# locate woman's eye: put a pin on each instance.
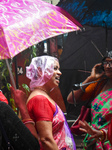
(55, 68)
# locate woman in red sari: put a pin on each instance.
(42, 115)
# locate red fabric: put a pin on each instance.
(109, 133)
(41, 109)
(3, 98)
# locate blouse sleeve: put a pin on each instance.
(88, 92)
(93, 90)
(41, 109)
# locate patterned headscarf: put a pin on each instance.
(40, 70)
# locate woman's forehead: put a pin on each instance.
(56, 62)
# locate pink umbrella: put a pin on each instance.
(24, 23)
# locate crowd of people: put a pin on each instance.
(44, 118)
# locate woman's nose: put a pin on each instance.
(59, 72)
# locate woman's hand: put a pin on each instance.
(97, 71)
(20, 97)
(20, 100)
(85, 127)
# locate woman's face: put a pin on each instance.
(56, 75)
(108, 67)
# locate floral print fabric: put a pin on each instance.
(101, 113)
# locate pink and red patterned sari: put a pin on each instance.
(61, 131)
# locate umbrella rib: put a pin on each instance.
(84, 71)
(97, 48)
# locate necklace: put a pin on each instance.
(43, 90)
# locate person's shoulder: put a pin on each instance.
(37, 97)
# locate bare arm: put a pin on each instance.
(93, 76)
(78, 93)
(20, 100)
(44, 129)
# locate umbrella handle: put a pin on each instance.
(10, 73)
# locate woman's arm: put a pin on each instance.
(93, 76)
(44, 129)
(20, 100)
(100, 135)
(78, 93)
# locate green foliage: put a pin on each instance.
(4, 76)
(27, 90)
(3, 70)
(8, 86)
(33, 51)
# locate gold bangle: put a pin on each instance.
(103, 136)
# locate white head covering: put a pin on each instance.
(40, 70)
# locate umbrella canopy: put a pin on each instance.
(90, 12)
(24, 23)
(83, 50)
